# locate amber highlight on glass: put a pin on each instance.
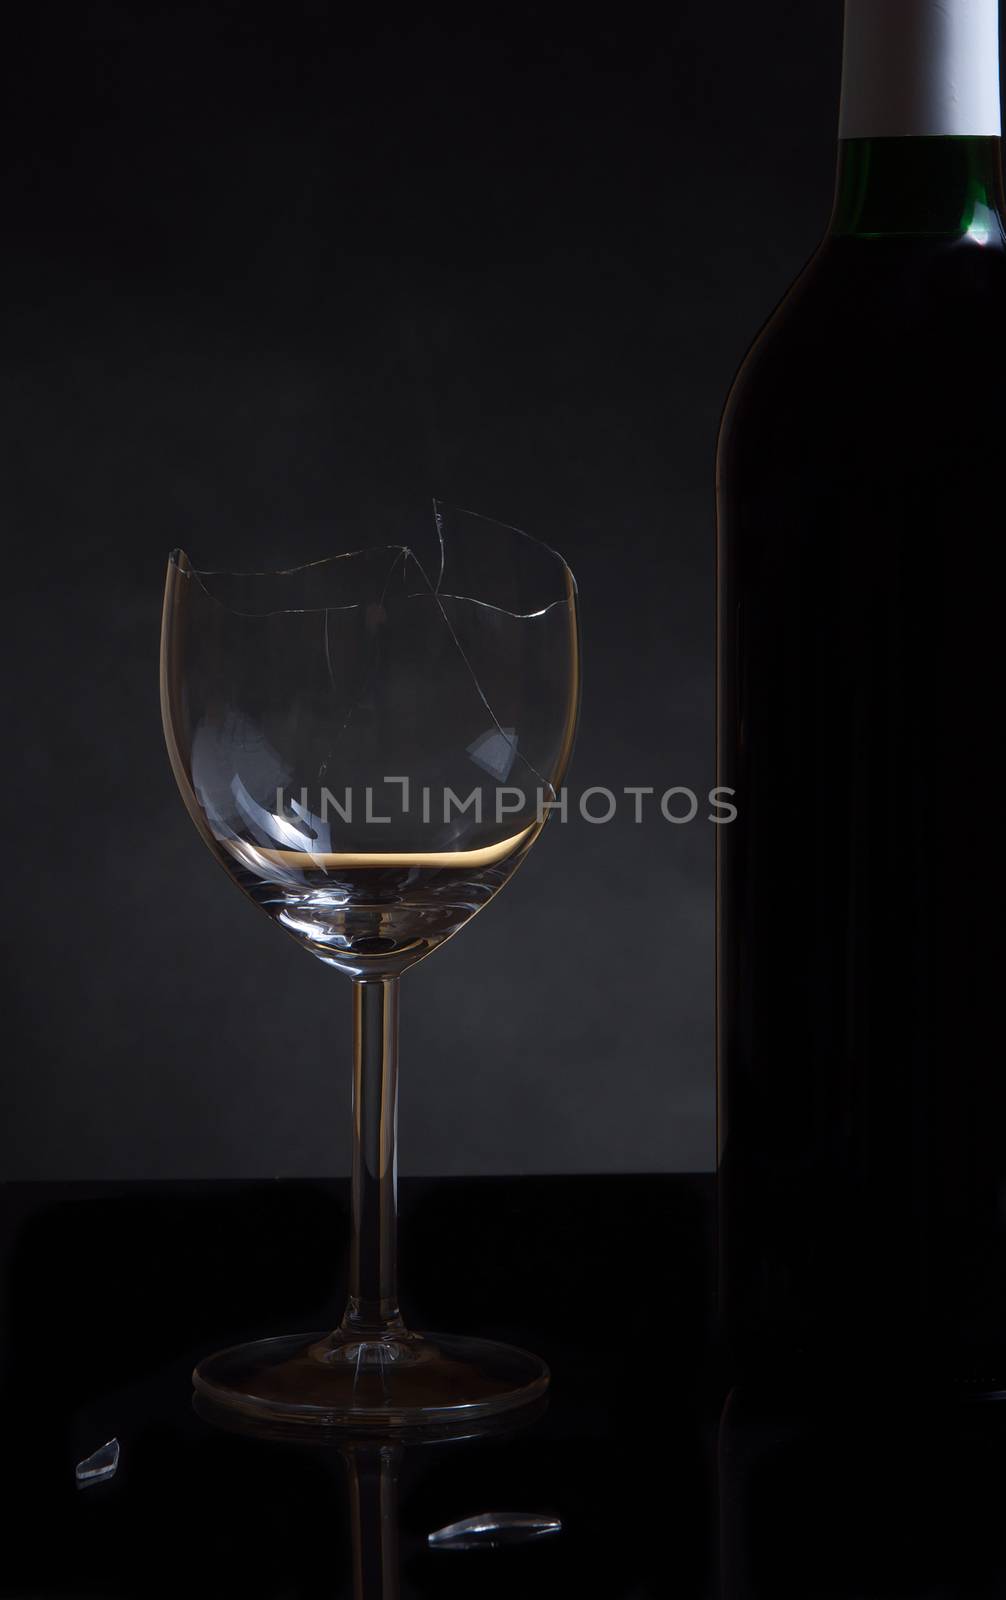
(398, 675)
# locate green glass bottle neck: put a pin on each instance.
(943, 185)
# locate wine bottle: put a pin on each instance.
(861, 1072)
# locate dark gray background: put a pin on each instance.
(266, 270)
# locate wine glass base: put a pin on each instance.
(339, 1380)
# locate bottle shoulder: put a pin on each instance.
(878, 322)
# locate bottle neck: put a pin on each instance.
(939, 185)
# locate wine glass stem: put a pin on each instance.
(372, 1308)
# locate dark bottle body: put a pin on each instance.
(862, 1085)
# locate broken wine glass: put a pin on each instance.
(370, 745)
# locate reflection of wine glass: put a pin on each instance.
(369, 745)
(372, 1461)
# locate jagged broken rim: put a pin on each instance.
(402, 555)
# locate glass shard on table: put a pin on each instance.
(99, 1467)
(490, 1530)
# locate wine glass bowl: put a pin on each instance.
(369, 745)
(369, 748)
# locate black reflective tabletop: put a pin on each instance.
(662, 1482)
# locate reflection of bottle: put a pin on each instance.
(898, 1499)
(862, 1093)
